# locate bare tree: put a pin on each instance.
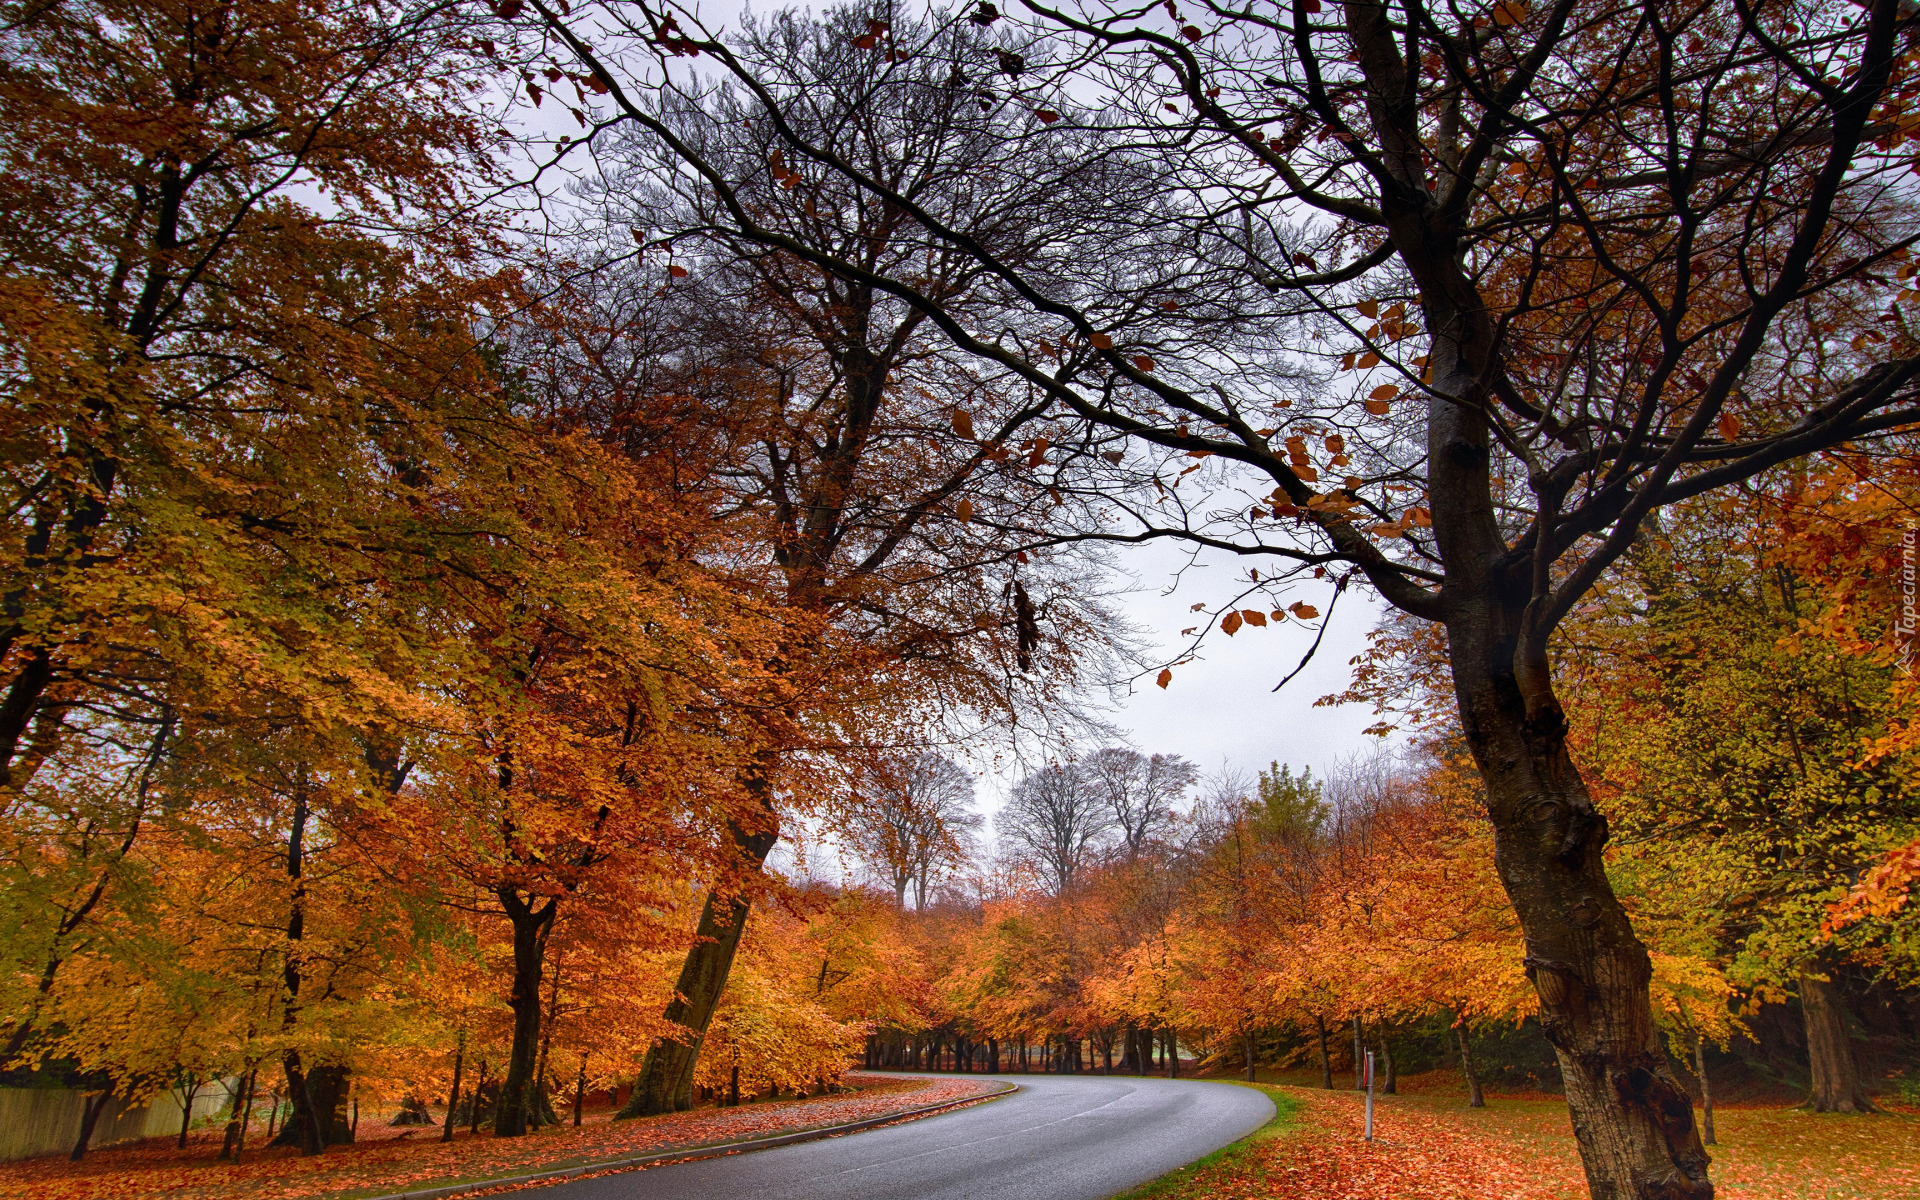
(1139, 791)
(916, 824)
(1057, 818)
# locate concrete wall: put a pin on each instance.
(37, 1121)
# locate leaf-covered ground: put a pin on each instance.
(389, 1160)
(1429, 1146)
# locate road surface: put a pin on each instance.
(1058, 1138)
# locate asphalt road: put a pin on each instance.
(1057, 1138)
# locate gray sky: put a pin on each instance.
(1221, 706)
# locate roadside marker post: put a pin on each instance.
(1369, 1095)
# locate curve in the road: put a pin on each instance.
(1057, 1138)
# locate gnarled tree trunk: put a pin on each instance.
(1632, 1116)
(531, 925)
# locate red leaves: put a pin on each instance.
(388, 1160)
(1414, 1155)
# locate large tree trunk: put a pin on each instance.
(1836, 1077)
(666, 1077)
(319, 1106)
(305, 1128)
(1632, 1116)
(531, 925)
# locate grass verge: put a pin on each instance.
(1193, 1179)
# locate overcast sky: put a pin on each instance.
(1220, 708)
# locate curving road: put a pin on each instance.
(1057, 1138)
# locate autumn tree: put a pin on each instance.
(863, 453)
(1561, 263)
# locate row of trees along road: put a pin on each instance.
(1529, 274)
(419, 633)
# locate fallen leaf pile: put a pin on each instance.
(1430, 1147)
(1413, 1154)
(390, 1160)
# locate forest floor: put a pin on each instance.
(385, 1159)
(1428, 1144)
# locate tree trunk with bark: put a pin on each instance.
(1326, 1060)
(1475, 1098)
(188, 1092)
(1836, 1076)
(453, 1092)
(532, 923)
(90, 1110)
(666, 1077)
(1386, 1065)
(1631, 1114)
(1706, 1090)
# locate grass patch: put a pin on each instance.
(1194, 1179)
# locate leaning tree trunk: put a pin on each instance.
(453, 1092)
(666, 1077)
(1836, 1077)
(90, 1109)
(1475, 1097)
(1631, 1114)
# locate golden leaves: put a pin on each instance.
(1509, 12)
